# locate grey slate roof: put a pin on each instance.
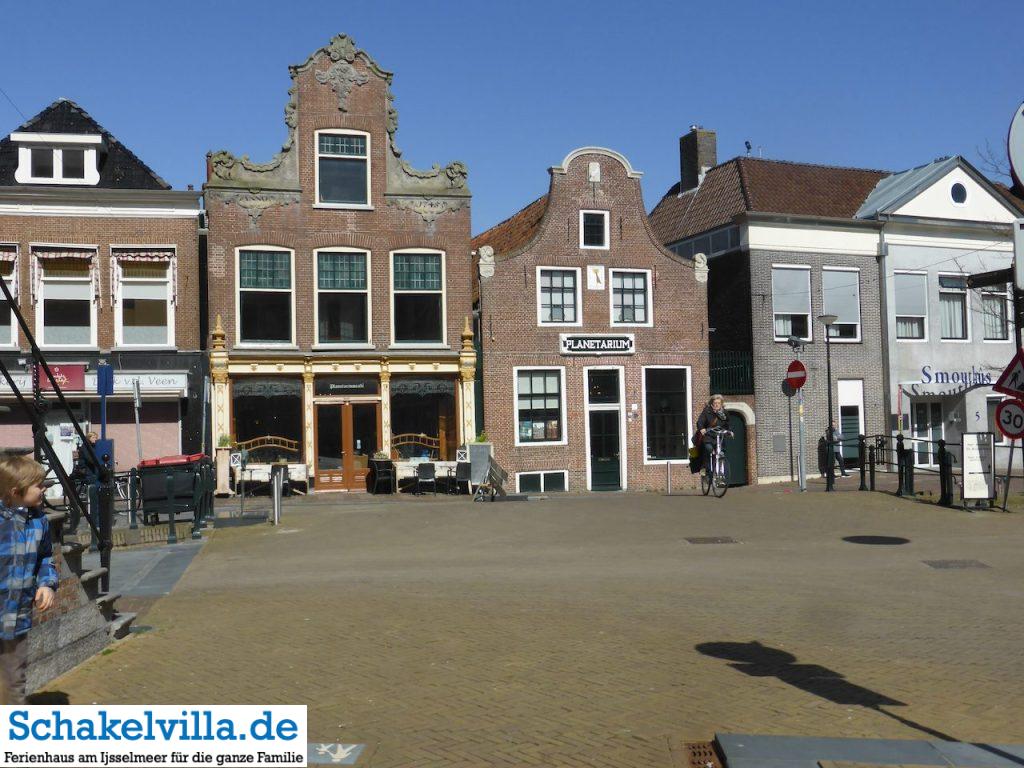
(119, 167)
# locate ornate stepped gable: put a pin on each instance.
(258, 186)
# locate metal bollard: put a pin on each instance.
(908, 469)
(830, 465)
(871, 466)
(105, 496)
(862, 443)
(900, 460)
(172, 526)
(277, 485)
(668, 478)
(941, 455)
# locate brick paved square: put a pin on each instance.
(588, 631)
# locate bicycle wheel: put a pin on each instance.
(721, 484)
(705, 482)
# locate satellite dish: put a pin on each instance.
(1015, 146)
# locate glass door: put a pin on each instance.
(927, 427)
(361, 431)
(329, 454)
(604, 416)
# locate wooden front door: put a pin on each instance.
(347, 435)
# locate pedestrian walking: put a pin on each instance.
(837, 438)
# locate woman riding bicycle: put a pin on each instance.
(711, 417)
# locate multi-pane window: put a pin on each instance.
(342, 298)
(542, 482)
(342, 168)
(667, 419)
(791, 302)
(8, 267)
(67, 297)
(630, 304)
(953, 307)
(593, 229)
(840, 294)
(144, 296)
(418, 298)
(995, 315)
(265, 296)
(911, 304)
(539, 405)
(557, 295)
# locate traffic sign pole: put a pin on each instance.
(801, 466)
(1009, 473)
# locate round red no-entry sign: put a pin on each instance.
(1010, 418)
(796, 374)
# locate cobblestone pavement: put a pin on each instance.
(588, 631)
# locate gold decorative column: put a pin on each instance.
(220, 410)
(307, 417)
(385, 407)
(467, 378)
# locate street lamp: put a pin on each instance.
(830, 471)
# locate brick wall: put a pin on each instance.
(512, 338)
(302, 227)
(861, 360)
(103, 232)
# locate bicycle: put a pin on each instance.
(716, 477)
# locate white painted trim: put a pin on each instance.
(40, 306)
(1008, 309)
(820, 239)
(859, 403)
(317, 203)
(860, 317)
(967, 306)
(912, 439)
(564, 167)
(542, 472)
(607, 230)
(238, 293)
(611, 299)
(93, 212)
(368, 344)
(56, 138)
(743, 409)
(643, 411)
(620, 407)
(119, 308)
(443, 343)
(810, 305)
(91, 171)
(981, 245)
(897, 316)
(563, 415)
(579, 296)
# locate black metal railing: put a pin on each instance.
(100, 519)
(732, 373)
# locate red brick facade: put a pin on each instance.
(513, 337)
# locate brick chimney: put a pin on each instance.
(698, 151)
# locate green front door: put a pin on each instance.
(604, 451)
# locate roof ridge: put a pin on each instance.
(747, 158)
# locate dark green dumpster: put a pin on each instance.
(173, 486)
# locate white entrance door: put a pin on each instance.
(62, 436)
(851, 418)
(926, 417)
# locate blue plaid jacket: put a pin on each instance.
(26, 563)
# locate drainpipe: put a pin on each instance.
(888, 351)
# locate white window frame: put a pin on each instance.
(563, 415)
(859, 336)
(579, 296)
(56, 143)
(810, 304)
(1005, 295)
(643, 413)
(368, 205)
(542, 472)
(15, 287)
(238, 298)
(443, 344)
(607, 231)
(40, 300)
(368, 344)
(119, 301)
(967, 306)
(897, 316)
(649, 298)
(620, 407)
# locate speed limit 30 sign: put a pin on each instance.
(1010, 418)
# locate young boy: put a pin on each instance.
(27, 574)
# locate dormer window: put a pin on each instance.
(55, 158)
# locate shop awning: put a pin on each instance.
(144, 255)
(63, 253)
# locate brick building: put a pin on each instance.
(340, 287)
(593, 336)
(103, 259)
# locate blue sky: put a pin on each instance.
(511, 88)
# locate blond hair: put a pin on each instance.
(18, 474)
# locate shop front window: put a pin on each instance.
(268, 418)
(423, 423)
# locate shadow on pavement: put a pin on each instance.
(48, 698)
(758, 660)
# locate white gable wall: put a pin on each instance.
(935, 202)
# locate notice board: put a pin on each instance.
(979, 465)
